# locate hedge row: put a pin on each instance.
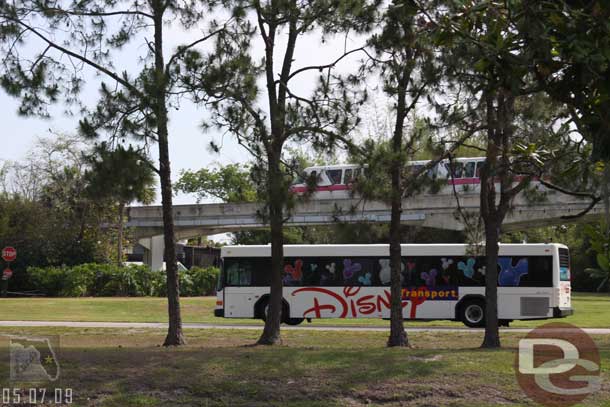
(104, 280)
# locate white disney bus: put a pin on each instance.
(440, 281)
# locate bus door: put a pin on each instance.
(239, 297)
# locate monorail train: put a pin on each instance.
(336, 181)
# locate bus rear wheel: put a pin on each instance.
(472, 313)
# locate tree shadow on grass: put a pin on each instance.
(245, 374)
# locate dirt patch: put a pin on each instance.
(433, 392)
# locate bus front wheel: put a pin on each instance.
(472, 313)
(284, 316)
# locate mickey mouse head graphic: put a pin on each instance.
(468, 267)
(349, 268)
(430, 277)
(293, 274)
(510, 276)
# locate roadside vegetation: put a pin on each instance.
(107, 280)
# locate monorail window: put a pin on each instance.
(455, 168)
(413, 169)
(334, 176)
(348, 177)
(300, 178)
(469, 169)
(311, 177)
(479, 166)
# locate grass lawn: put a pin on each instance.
(123, 368)
(591, 310)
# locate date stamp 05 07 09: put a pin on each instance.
(34, 365)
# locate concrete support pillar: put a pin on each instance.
(155, 249)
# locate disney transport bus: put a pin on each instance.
(440, 281)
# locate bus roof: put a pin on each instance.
(382, 250)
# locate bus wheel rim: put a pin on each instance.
(474, 313)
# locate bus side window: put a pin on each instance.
(408, 272)
(311, 272)
(360, 272)
(468, 271)
(239, 273)
(329, 270)
(539, 273)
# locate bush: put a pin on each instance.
(50, 280)
(203, 280)
(584, 281)
(107, 280)
(195, 282)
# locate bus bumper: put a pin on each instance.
(562, 312)
(219, 312)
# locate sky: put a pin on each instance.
(188, 143)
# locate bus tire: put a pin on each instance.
(293, 321)
(263, 307)
(472, 313)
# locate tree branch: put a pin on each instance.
(322, 67)
(182, 49)
(81, 58)
(97, 13)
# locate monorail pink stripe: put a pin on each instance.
(456, 181)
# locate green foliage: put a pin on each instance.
(110, 280)
(46, 214)
(573, 63)
(203, 281)
(230, 183)
(91, 279)
(600, 246)
(121, 174)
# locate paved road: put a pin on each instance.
(161, 325)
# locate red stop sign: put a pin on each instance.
(9, 253)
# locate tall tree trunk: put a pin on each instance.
(492, 220)
(492, 330)
(271, 332)
(398, 335)
(174, 333)
(120, 235)
(606, 196)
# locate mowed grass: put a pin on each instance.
(591, 310)
(111, 367)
